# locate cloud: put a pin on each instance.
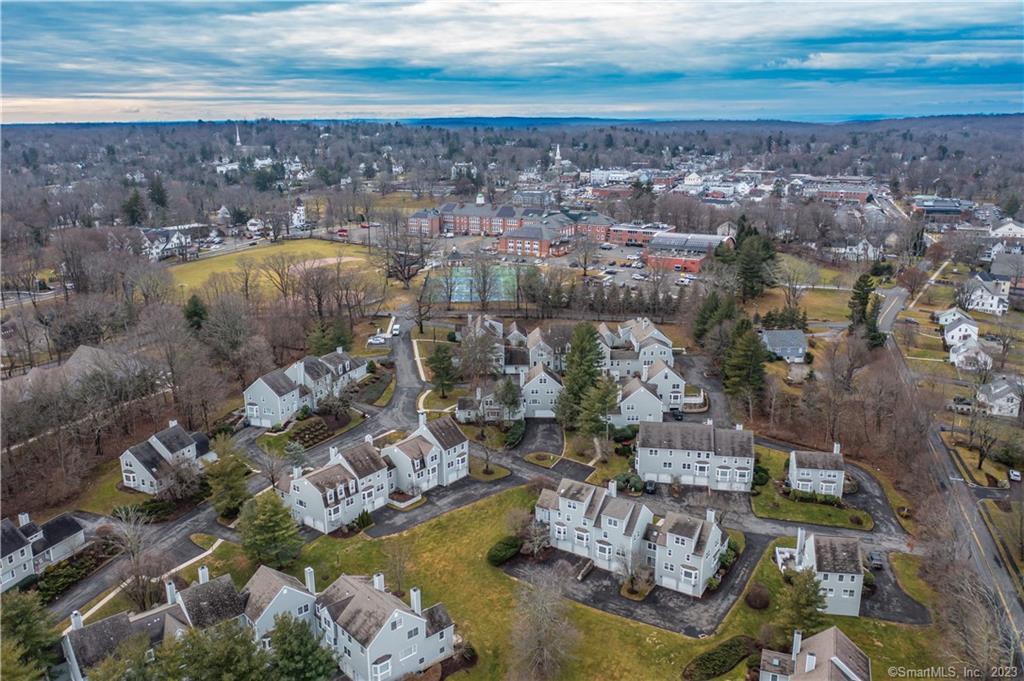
(438, 57)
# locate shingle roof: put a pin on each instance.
(682, 525)
(778, 340)
(364, 459)
(548, 499)
(516, 356)
(329, 477)
(147, 455)
(174, 438)
(437, 618)
(279, 382)
(358, 608)
(823, 461)
(11, 538)
(415, 447)
(315, 368)
(698, 437)
(573, 490)
(635, 385)
(213, 602)
(60, 528)
(446, 431)
(837, 554)
(775, 662)
(536, 371)
(263, 587)
(95, 642)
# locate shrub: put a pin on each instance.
(452, 337)
(719, 660)
(713, 585)
(869, 579)
(304, 413)
(754, 661)
(808, 358)
(503, 550)
(630, 481)
(59, 577)
(624, 450)
(371, 367)
(469, 653)
(515, 434)
(761, 476)
(363, 520)
(758, 597)
(856, 520)
(728, 558)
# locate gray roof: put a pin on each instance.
(635, 384)
(358, 608)
(437, 618)
(174, 438)
(837, 554)
(329, 477)
(779, 340)
(278, 381)
(622, 353)
(541, 369)
(95, 642)
(11, 538)
(698, 437)
(515, 356)
(315, 368)
(548, 499)
(824, 461)
(213, 602)
(775, 662)
(364, 459)
(147, 455)
(534, 232)
(446, 431)
(263, 587)
(1001, 387)
(573, 490)
(60, 528)
(682, 525)
(336, 359)
(690, 243)
(1008, 264)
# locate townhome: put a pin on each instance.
(516, 361)
(696, 454)
(595, 523)
(541, 352)
(485, 405)
(147, 466)
(1001, 396)
(788, 344)
(270, 593)
(988, 294)
(375, 635)
(638, 402)
(28, 549)
(969, 356)
(325, 499)
(959, 329)
(670, 386)
(637, 344)
(514, 336)
(275, 398)
(436, 453)
(373, 473)
(685, 550)
(817, 472)
(828, 655)
(540, 391)
(836, 562)
(946, 316)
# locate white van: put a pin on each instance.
(396, 329)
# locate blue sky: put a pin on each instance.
(108, 61)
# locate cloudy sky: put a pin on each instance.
(822, 60)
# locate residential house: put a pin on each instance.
(988, 293)
(637, 402)
(969, 356)
(436, 453)
(541, 351)
(160, 244)
(789, 344)
(959, 330)
(946, 316)
(270, 593)
(1008, 229)
(28, 549)
(147, 466)
(836, 563)
(817, 472)
(637, 343)
(1001, 396)
(540, 391)
(670, 386)
(1010, 265)
(485, 405)
(827, 656)
(275, 398)
(696, 454)
(854, 249)
(686, 551)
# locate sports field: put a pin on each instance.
(504, 289)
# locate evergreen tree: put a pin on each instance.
(582, 368)
(860, 299)
(743, 370)
(23, 620)
(268, 531)
(295, 453)
(874, 337)
(13, 662)
(133, 208)
(223, 652)
(297, 654)
(128, 663)
(509, 396)
(443, 369)
(599, 399)
(157, 193)
(226, 477)
(801, 603)
(326, 339)
(195, 312)
(704, 315)
(752, 268)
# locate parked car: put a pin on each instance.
(639, 277)
(638, 265)
(606, 246)
(875, 561)
(449, 235)
(1014, 475)
(612, 263)
(651, 487)
(677, 415)
(611, 272)
(538, 261)
(396, 330)
(377, 340)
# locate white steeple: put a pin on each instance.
(558, 154)
(238, 137)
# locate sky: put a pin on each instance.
(823, 60)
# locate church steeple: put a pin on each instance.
(238, 137)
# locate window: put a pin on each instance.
(559, 531)
(414, 632)
(604, 550)
(666, 464)
(669, 567)
(848, 593)
(841, 578)
(408, 652)
(441, 636)
(303, 609)
(722, 474)
(396, 623)
(381, 671)
(824, 577)
(582, 537)
(348, 653)
(612, 522)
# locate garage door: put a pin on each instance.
(665, 477)
(544, 414)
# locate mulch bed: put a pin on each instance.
(455, 664)
(334, 423)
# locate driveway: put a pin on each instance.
(694, 367)
(567, 468)
(542, 435)
(889, 602)
(663, 607)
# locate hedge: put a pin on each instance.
(720, 659)
(515, 434)
(59, 577)
(503, 550)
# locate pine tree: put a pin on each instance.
(743, 370)
(133, 208)
(801, 603)
(226, 477)
(225, 651)
(23, 620)
(582, 369)
(443, 369)
(13, 661)
(509, 396)
(860, 299)
(268, 531)
(128, 663)
(599, 399)
(157, 193)
(195, 312)
(872, 335)
(297, 654)
(295, 453)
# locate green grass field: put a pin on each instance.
(100, 494)
(770, 504)
(827, 276)
(820, 304)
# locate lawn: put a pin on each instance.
(100, 494)
(579, 448)
(193, 275)
(117, 604)
(544, 459)
(385, 397)
(820, 304)
(1004, 522)
(968, 461)
(827, 276)
(771, 504)
(603, 472)
(275, 443)
(425, 348)
(476, 470)
(434, 401)
(448, 564)
(907, 569)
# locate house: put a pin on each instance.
(989, 294)
(687, 550)
(85, 362)
(1001, 396)
(961, 329)
(836, 563)
(789, 344)
(540, 391)
(146, 467)
(637, 402)
(541, 351)
(1011, 266)
(375, 635)
(696, 454)
(854, 249)
(275, 398)
(946, 316)
(637, 343)
(1009, 229)
(516, 361)
(969, 356)
(828, 655)
(28, 549)
(670, 386)
(817, 472)
(160, 244)
(514, 335)
(486, 405)
(270, 593)
(436, 453)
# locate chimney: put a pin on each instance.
(368, 439)
(204, 574)
(296, 472)
(709, 422)
(739, 426)
(171, 592)
(76, 620)
(613, 488)
(709, 515)
(172, 423)
(423, 418)
(335, 455)
(23, 519)
(479, 393)
(643, 373)
(798, 637)
(836, 449)
(310, 580)
(801, 539)
(809, 662)
(415, 601)
(339, 350)
(378, 581)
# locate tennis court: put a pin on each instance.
(503, 289)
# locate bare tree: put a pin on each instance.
(483, 278)
(981, 638)
(912, 279)
(1006, 336)
(279, 270)
(795, 276)
(632, 571)
(543, 636)
(272, 467)
(398, 555)
(134, 537)
(246, 276)
(585, 248)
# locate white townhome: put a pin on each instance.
(542, 353)
(969, 356)
(270, 593)
(486, 405)
(828, 655)
(681, 552)
(696, 454)
(1001, 396)
(817, 472)
(28, 549)
(836, 563)
(637, 344)
(638, 403)
(540, 391)
(146, 467)
(670, 386)
(961, 328)
(436, 453)
(988, 293)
